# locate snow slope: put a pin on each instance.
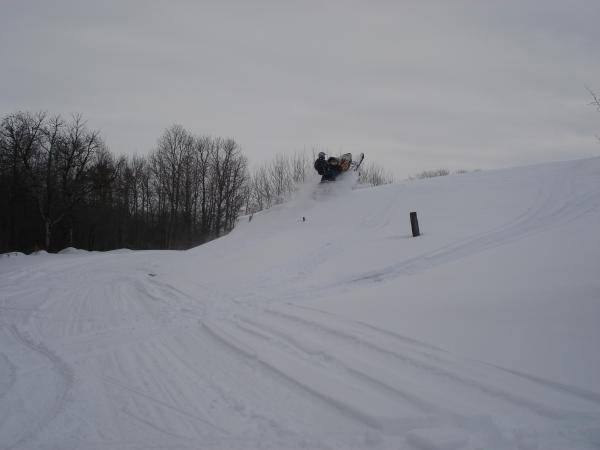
(340, 331)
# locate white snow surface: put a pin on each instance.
(337, 332)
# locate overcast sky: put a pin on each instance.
(414, 84)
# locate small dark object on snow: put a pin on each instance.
(414, 224)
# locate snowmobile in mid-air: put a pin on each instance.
(330, 168)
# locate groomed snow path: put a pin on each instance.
(337, 332)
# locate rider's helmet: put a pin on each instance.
(321, 155)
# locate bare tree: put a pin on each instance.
(55, 158)
(203, 148)
(20, 139)
(595, 100)
(280, 174)
(374, 175)
(168, 163)
(272, 182)
(76, 150)
(430, 174)
(229, 169)
(261, 195)
(301, 166)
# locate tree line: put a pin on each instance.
(60, 186)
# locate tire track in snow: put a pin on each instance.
(392, 334)
(313, 353)
(11, 377)
(584, 394)
(277, 371)
(374, 388)
(570, 390)
(58, 406)
(156, 427)
(430, 366)
(241, 391)
(6, 385)
(114, 382)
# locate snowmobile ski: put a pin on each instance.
(356, 164)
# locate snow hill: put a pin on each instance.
(339, 332)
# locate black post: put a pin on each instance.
(414, 224)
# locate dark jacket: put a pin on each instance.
(321, 166)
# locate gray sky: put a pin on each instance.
(414, 84)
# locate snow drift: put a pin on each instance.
(338, 330)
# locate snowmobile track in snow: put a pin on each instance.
(58, 405)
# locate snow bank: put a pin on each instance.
(11, 255)
(72, 251)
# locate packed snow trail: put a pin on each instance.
(337, 331)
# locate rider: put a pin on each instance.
(328, 169)
(321, 165)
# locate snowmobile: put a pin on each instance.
(330, 168)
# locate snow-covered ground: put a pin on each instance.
(340, 331)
